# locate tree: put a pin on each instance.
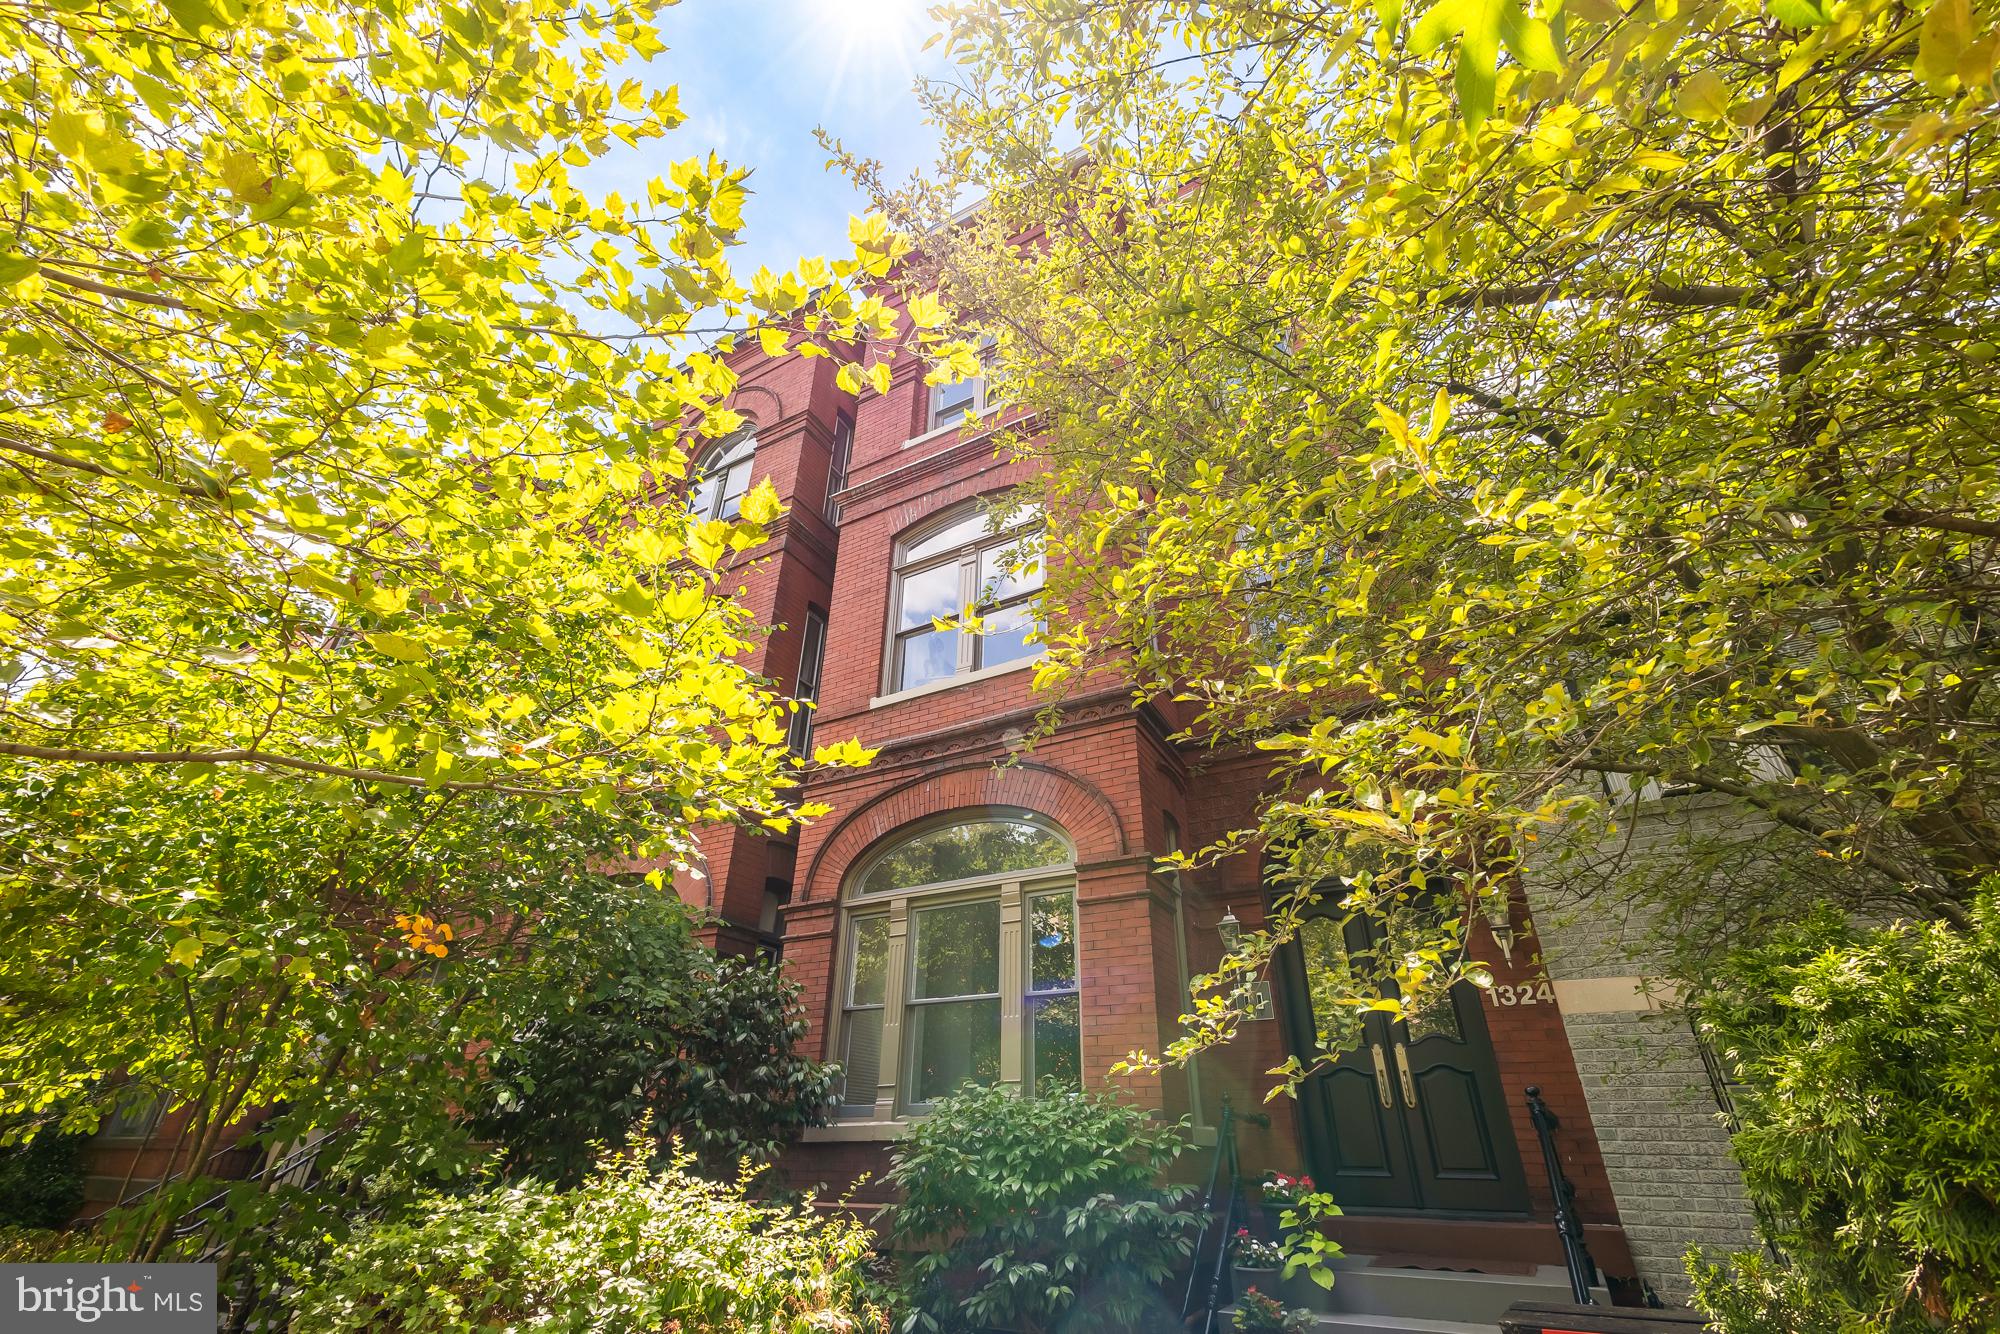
(348, 615)
(699, 1048)
(1461, 427)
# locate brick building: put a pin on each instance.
(955, 919)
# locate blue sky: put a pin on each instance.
(756, 77)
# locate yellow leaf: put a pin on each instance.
(1703, 96)
(1946, 34)
(401, 647)
(926, 311)
(761, 504)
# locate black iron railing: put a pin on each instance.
(1576, 1255)
(1226, 1179)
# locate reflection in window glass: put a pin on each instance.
(951, 1045)
(861, 1025)
(1329, 977)
(932, 593)
(1006, 636)
(1052, 942)
(871, 961)
(958, 950)
(957, 852)
(930, 656)
(1057, 1049)
(955, 1003)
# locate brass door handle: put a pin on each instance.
(1381, 1076)
(1403, 1073)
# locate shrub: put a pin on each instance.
(631, 1251)
(1871, 1109)
(701, 1045)
(41, 1180)
(1025, 1212)
(1260, 1313)
(1749, 1293)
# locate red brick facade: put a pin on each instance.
(1109, 777)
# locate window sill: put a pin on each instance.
(973, 424)
(855, 1132)
(950, 682)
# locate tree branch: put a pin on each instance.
(67, 755)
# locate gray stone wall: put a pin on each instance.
(1664, 1149)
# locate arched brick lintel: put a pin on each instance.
(1085, 814)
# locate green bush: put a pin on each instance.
(704, 1047)
(1026, 1213)
(1749, 1293)
(41, 1181)
(1871, 1110)
(631, 1251)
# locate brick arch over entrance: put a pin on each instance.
(1084, 813)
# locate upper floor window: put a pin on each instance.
(971, 559)
(838, 463)
(970, 397)
(961, 966)
(721, 477)
(812, 657)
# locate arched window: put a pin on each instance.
(974, 558)
(961, 964)
(721, 477)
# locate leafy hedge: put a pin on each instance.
(41, 1181)
(1871, 1116)
(1035, 1213)
(631, 1251)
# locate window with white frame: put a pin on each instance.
(721, 476)
(971, 558)
(961, 966)
(812, 657)
(970, 398)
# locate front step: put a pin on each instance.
(1473, 1300)
(1396, 1324)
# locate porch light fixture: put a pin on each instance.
(1500, 917)
(1230, 930)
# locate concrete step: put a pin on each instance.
(1363, 1289)
(1396, 1324)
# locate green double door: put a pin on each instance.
(1411, 1116)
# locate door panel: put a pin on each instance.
(1438, 1140)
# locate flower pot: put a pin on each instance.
(1265, 1281)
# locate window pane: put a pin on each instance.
(871, 961)
(862, 1059)
(734, 483)
(1051, 942)
(1058, 1041)
(951, 1045)
(958, 949)
(931, 593)
(1009, 571)
(960, 851)
(930, 656)
(968, 529)
(954, 401)
(1006, 637)
(701, 499)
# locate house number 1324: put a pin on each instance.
(1528, 993)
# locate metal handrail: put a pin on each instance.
(1576, 1255)
(1225, 1158)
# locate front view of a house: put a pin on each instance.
(971, 911)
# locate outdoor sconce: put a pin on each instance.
(1256, 993)
(1500, 917)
